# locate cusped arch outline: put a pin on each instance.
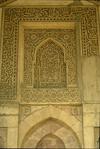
(42, 115)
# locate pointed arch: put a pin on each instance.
(44, 42)
(50, 69)
(51, 126)
(35, 120)
(50, 141)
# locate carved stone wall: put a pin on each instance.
(50, 66)
(50, 141)
(26, 110)
(97, 137)
(62, 56)
(51, 127)
(87, 16)
(3, 137)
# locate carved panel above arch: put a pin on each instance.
(87, 16)
(50, 66)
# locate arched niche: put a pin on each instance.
(50, 68)
(51, 126)
(50, 141)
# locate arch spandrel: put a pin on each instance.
(51, 126)
(46, 113)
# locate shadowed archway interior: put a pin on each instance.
(50, 141)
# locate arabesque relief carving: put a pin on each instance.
(50, 70)
(13, 16)
(50, 95)
(50, 66)
(52, 59)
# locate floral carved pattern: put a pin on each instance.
(50, 68)
(60, 56)
(12, 16)
(45, 49)
(50, 95)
